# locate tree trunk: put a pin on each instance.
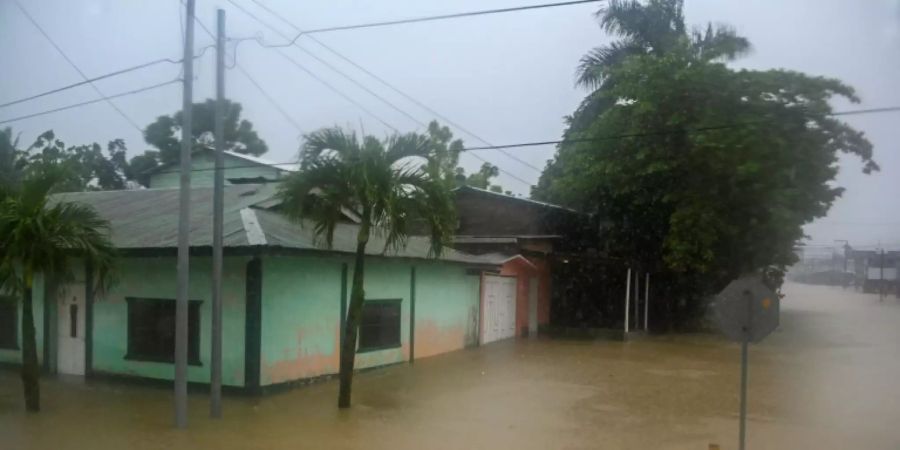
(354, 313)
(30, 369)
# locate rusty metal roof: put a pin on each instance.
(148, 219)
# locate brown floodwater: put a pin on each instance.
(827, 379)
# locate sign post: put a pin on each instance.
(746, 311)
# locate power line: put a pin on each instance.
(330, 66)
(427, 19)
(670, 131)
(89, 102)
(361, 86)
(624, 136)
(253, 81)
(271, 100)
(336, 90)
(77, 69)
(377, 78)
(324, 83)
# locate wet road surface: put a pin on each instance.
(827, 379)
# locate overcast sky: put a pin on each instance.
(507, 78)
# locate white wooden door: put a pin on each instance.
(70, 330)
(499, 308)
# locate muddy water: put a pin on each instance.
(828, 379)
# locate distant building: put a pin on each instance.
(239, 169)
(523, 234)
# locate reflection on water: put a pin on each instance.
(827, 379)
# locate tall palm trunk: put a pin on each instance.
(354, 312)
(30, 370)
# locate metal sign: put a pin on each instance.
(747, 309)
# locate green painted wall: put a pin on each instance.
(447, 308)
(156, 278)
(15, 356)
(300, 317)
(301, 312)
(203, 163)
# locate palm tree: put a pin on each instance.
(391, 185)
(42, 236)
(652, 28)
(12, 160)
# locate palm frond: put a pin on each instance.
(333, 139)
(718, 42)
(596, 65)
(44, 238)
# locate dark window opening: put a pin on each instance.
(9, 323)
(151, 330)
(73, 321)
(379, 328)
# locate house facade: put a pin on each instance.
(239, 169)
(523, 235)
(284, 296)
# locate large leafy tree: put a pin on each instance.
(698, 171)
(444, 154)
(41, 237)
(165, 132)
(88, 167)
(391, 185)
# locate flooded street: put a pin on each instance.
(827, 379)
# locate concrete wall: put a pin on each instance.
(155, 277)
(447, 308)
(301, 301)
(203, 163)
(15, 356)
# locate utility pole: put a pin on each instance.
(637, 299)
(627, 297)
(647, 301)
(843, 277)
(215, 370)
(881, 284)
(184, 225)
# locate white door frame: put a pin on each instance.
(71, 309)
(498, 320)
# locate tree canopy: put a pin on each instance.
(86, 167)
(164, 133)
(692, 166)
(444, 154)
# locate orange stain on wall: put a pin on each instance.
(302, 364)
(432, 339)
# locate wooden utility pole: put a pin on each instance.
(184, 225)
(215, 368)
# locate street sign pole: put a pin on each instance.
(745, 350)
(743, 431)
(746, 311)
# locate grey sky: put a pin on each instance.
(506, 78)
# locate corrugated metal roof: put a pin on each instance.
(282, 232)
(502, 196)
(148, 218)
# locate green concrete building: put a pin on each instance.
(285, 296)
(239, 169)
